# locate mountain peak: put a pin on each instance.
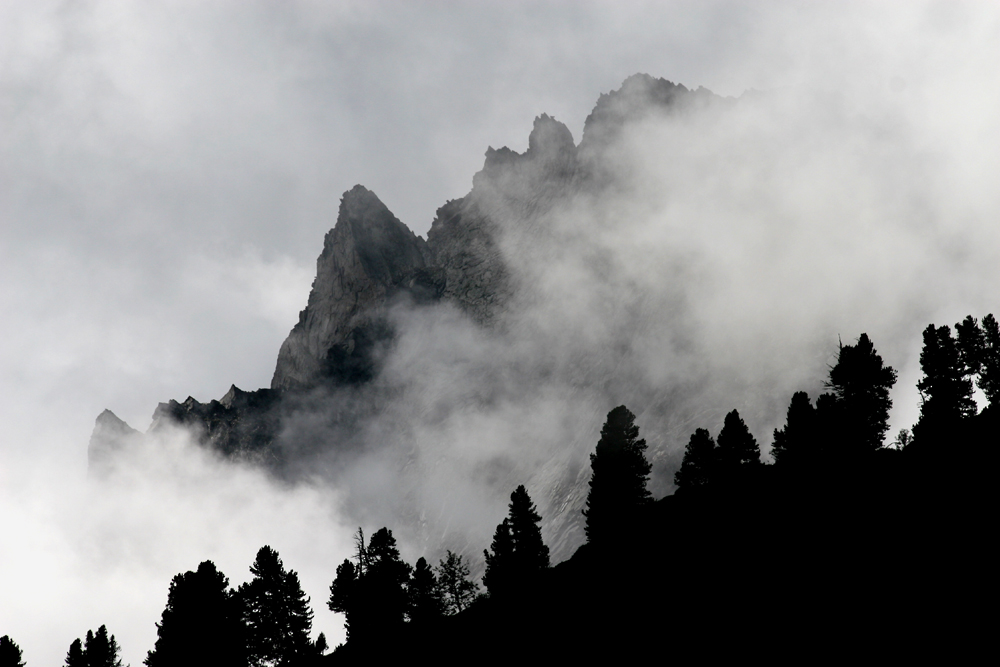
(367, 255)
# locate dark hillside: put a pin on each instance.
(886, 555)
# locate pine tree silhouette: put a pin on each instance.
(372, 593)
(456, 589)
(98, 650)
(75, 657)
(989, 360)
(425, 603)
(737, 447)
(202, 623)
(796, 443)
(698, 466)
(276, 612)
(10, 653)
(500, 563)
(618, 483)
(861, 384)
(530, 553)
(945, 388)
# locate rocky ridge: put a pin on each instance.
(371, 261)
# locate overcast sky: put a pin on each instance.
(168, 171)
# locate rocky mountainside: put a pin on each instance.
(371, 263)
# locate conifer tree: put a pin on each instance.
(342, 594)
(500, 563)
(202, 623)
(372, 593)
(425, 600)
(945, 389)
(698, 465)
(10, 653)
(861, 384)
(970, 342)
(75, 657)
(618, 483)
(98, 650)
(737, 447)
(989, 366)
(276, 612)
(386, 579)
(530, 553)
(456, 589)
(796, 442)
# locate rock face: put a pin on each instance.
(368, 257)
(372, 262)
(241, 425)
(110, 438)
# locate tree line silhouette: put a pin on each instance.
(856, 548)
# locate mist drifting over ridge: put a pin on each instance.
(732, 252)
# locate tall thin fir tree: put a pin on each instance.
(425, 600)
(618, 483)
(989, 367)
(531, 556)
(499, 560)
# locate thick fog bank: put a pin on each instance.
(719, 259)
(82, 552)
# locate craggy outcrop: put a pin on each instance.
(640, 97)
(368, 257)
(111, 437)
(241, 425)
(472, 259)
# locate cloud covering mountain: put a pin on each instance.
(164, 199)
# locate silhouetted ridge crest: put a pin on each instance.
(111, 435)
(639, 97)
(365, 256)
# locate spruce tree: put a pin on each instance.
(737, 447)
(456, 589)
(202, 623)
(796, 442)
(618, 483)
(945, 388)
(10, 653)
(698, 465)
(373, 592)
(500, 563)
(425, 600)
(99, 650)
(386, 579)
(343, 592)
(989, 366)
(970, 342)
(75, 657)
(531, 556)
(861, 384)
(276, 612)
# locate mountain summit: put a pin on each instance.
(330, 398)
